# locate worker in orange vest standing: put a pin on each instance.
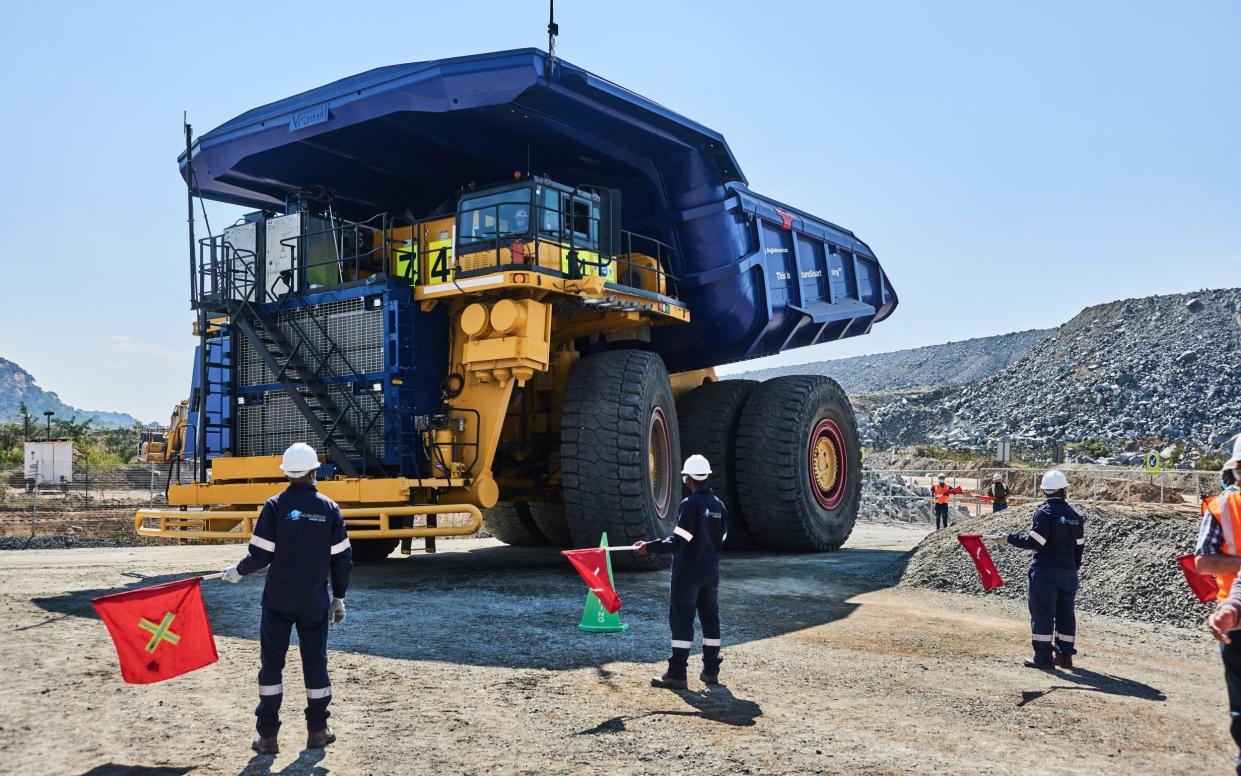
(941, 491)
(1217, 553)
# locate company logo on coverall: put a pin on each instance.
(298, 514)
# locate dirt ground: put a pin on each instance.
(469, 662)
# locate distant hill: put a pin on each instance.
(934, 366)
(17, 386)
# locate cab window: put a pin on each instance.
(492, 216)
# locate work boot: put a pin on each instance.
(669, 682)
(317, 739)
(265, 744)
(1064, 660)
(709, 678)
(1040, 666)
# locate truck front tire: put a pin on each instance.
(620, 453)
(799, 464)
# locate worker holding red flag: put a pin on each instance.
(1058, 541)
(940, 491)
(702, 526)
(301, 535)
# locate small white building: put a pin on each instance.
(49, 462)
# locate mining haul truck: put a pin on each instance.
(491, 291)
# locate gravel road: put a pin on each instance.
(469, 662)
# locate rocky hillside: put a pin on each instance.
(1167, 367)
(17, 386)
(934, 366)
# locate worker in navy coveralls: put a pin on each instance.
(702, 526)
(301, 535)
(1058, 541)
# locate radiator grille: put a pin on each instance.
(268, 428)
(357, 331)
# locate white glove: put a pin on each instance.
(337, 612)
(997, 539)
(231, 574)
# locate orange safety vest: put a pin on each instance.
(1226, 509)
(941, 493)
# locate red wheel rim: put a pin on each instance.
(827, 464)
(659, 462)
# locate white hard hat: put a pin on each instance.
(697, 467)
(1054, 480)
(299, 459)
(1235, 458)
(942, 475)
(998, 478)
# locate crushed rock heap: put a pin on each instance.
(1162, 366)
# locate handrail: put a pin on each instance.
(177, 523)
(560, 237)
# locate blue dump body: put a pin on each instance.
(759, 277)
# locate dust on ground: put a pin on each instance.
(469, 662)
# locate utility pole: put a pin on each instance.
(48, 414)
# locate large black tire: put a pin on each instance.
(709, 416)
(794, 431)
(550, 520)
(372, 550)
(620, 453)
(510, 522)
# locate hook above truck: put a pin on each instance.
(493, 290)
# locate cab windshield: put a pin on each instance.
(491, 216)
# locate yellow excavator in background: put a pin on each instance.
(161, 445)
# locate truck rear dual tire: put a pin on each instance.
(709, 417)
(798, 464)
(372, 550)
(620, 453)
(511, 523)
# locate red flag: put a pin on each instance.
(982, 560)
(592, 565)
(1204, 585)
(159, 632)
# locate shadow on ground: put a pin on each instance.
(519, 607)
(1092, 681)
(716, 704)
(306, 764)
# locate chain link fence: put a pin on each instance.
(908, 491)
(94, 502)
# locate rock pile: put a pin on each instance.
(934, 366)
(65, 542)
(1167, 367)
(1129, 569)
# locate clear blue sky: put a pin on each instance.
(1009, 163)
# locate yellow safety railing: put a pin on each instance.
(361, 522)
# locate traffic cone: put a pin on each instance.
(595, 619)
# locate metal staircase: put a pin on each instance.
(301, 370)
(288, 349)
